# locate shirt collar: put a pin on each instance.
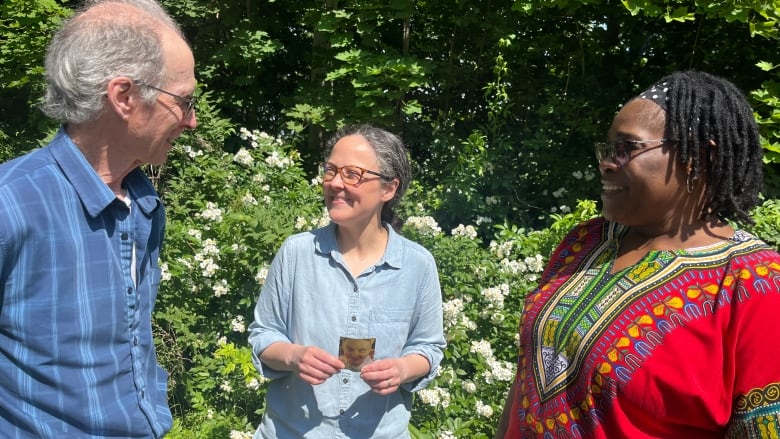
(95, 195)
(325, 243)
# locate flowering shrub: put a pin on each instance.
(227, 215)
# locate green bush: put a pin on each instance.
(228, 214)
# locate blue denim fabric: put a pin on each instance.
(310, 298)
(76, 351)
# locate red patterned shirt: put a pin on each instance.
(682, 344)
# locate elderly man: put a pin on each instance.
(81, 228)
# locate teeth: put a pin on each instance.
(610, 187)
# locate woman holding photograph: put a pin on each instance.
(355, 278)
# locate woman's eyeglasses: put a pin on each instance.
(350, 174)
(621, 152)
(186, 104)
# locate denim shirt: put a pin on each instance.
(310, 298)
(76, 351)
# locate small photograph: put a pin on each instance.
(356, 352)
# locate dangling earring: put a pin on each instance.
(690, 183)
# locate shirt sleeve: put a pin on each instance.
(426, 335)
(271, 323)
(753, 335)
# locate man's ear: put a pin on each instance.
(120, 97)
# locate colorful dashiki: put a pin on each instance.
(684, 344)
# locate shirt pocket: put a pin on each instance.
(390, 327)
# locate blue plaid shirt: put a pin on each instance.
(76, 352)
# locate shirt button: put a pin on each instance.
(345, 380)
(354, 318)
(129, 290)
(124, 236)
(135, 341)
(354, 288)
(341, 411)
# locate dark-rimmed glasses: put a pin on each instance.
(621, 151)
(186, 104)
(350, 174)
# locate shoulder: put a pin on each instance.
(747, 249)
(19, 172)
(305, 241)
(590, 231)
(403, 251)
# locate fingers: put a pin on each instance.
(314, 365)
(384, 376)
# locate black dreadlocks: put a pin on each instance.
(718, 136)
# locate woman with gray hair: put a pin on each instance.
(355, 279)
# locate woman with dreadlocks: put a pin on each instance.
(658, 320)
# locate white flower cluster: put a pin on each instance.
(482, 220)
(498, 370)
(244, 157)
(221, 288)
(191, 153)
(452, 309)
(235, 434)
(262, 274)
(255, 383)
(465, 231)
(237, 324)
(587, 175)
(502, 250)
(207, 258)
(426, 225)
(495, 295)
(255, 137)
(194, 233)
(323, 220)
(165, 275)
(435, 397)
(482, 347)
(248, 199)
(212, 212)
(446, 434)
(453, 315)
(469, 386)
(535, 263)
(278, 161)
(560, 192)
(484, 409)
(301, 223)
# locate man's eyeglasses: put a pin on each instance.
(186, 104)
(621, 151)
(350, 174)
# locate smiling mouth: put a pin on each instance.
(609, 187)
(337, 199)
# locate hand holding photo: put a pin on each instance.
(356, 352)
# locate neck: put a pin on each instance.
(110, 165)
(696, 234)
(362, 240)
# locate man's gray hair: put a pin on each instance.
(104, 40)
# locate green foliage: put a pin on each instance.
(25, 29)
(228, 213)
(767, 218)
